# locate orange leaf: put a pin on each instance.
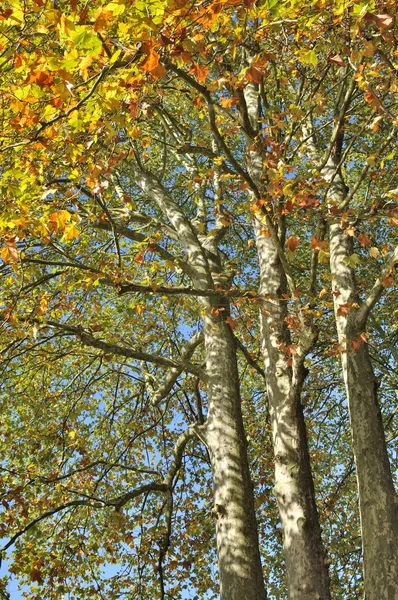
(9, 254)
(363, 239)
(292, 242)
(232, 323)
(228, 102)
(152, 60)
(318, 245)
(200, 72)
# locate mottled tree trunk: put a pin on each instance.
(240, 570)
(305, 556)
(377, 498)
(239, 562)
(306, 563)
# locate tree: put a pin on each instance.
(132, 174)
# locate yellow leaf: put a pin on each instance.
(71, 232)
(374, 252)
(323, 257)
(9, 254)
(308, 57)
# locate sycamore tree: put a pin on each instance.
(182, 187)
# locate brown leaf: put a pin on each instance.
(200, 72)
(383, 21)
(363, 239)
(344, 310)
(335, 59)
(387, 281)
(232, 323)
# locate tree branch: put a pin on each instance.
(88, 339)
(163, 390)
(376, 291)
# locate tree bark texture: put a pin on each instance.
(378, 502)
(236, 528)
(305, 556)
(240, 570)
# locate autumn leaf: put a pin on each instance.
(70, 233)
(58, 220)
(344, 309)
(87, 40)
(201, 72)
(335, 59)
(383, 20)
(232, 323)
(228, 102)
(292, 243)
(43, 306)
(152, 58)
(318, 245)
(9, 254)
(374, 252)
(352, 260)
(387, 281)
(363, 239)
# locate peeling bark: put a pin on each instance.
(305, 556)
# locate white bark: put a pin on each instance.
(236, 529)
(378, 503)
(240, 570)
(306, 563)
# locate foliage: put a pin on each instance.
(99, 381)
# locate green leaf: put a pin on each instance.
(352, 260)
(87, 40)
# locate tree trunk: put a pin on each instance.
(239, 562)
(240, 570)
(377, 498)
(305, 556)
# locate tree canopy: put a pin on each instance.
(199, 310)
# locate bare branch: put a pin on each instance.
(249, 358)
(376, 291)
(163, 390)
(88, 339)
